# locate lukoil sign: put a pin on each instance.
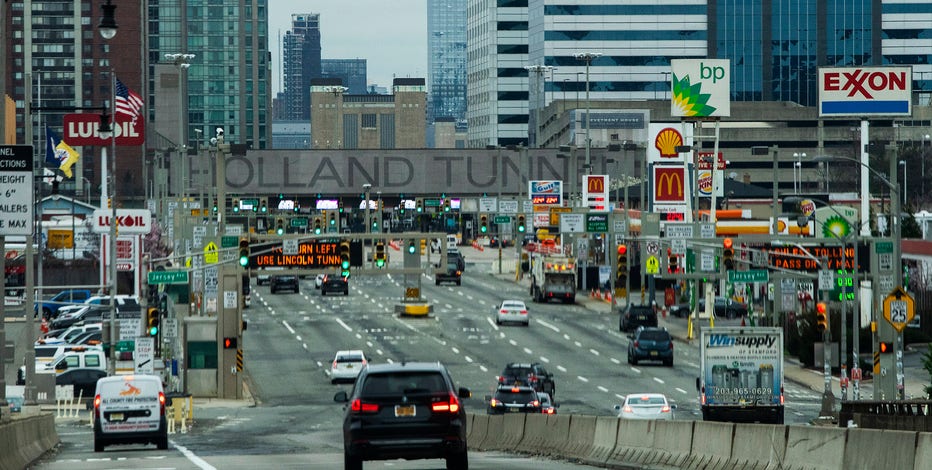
(128, 220)
(865, 91)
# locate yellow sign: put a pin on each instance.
(60, 239)
(899, 309)
(210, 253)
(652, 265)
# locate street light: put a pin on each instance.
(903, 164)
(182, 62)
(798, 172)
(588, 57)
(925, 139)
(107, 28)
(539, 70)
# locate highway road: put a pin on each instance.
(291, 340)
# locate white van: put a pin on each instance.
(130, 409)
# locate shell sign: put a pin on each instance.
(666, 142)
(664, 138)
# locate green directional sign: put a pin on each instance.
(299, 221)
(502, 219)
(229, 241)
(883, 247)
(126, 346)
(597, 223)
(168, 277)
(433, 202)
(753, 275)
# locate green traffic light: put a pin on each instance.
(380, 262)
(243, 261)
(345, 265)
(235, 209)
(484, 229)
(317, 230)
(411, 249)
(345, 273)
(153, 331)
(521, 229)
(280, 231)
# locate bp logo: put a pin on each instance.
(689, 97)
(836, 226)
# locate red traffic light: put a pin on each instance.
(622, 249)
(727, 243)
(229, 343)
(821, 308)
(886, 347)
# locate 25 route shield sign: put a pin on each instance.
(865, 91)
(898, 309)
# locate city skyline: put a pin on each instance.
(391, 36)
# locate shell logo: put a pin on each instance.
(666, 142)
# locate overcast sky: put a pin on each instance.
(390, 34)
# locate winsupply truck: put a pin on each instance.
(741, 374)
(553, 277)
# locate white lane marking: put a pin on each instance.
(447, 306)
(358, 336)
(468, 359)
(602, 389)
(544, 359)
(483, 368)
(379, 352)
(297, 337)
(548, 325)
(528, 351)
(582, 379)
(594, 352)
(681, 391)
(456, 351)
(287, 326)
(620, 397)
(405, 324)
(304, 345)
(491, 322)
(512, 342)
(658, 380)
(193, 458)
(636, 370)
(566, 336)
(344, 325)
(616, 361)
(561, 368)
(578, 344)
(389, 360)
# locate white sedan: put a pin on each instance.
(346, 365)
(513, 311)
(646, 406)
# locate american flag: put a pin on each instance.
(128, 102)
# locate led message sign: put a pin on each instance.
(808, 258)
(313, 254)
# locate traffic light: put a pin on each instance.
(380, 253)
(621, 264)
(419, 204)
(728, 254)
(673, 261)
(885, 347)
(401, 207)
(213, 208)
(280, 225)
(446, 205)
(341, 206)
(333, 219)
(244, 252)
(484, 223)
(345, 258)
(821, 317)
(318, 225)
(263, 206)
(521, 226)
(229, 342)
(152, 321)
(235, 205)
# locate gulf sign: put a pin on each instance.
(82, 129)
(546, 193)
(865, 91)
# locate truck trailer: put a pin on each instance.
(553, 277)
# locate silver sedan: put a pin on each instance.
(512, 311)
(646, 406)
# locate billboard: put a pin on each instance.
(595, 192)
(546, 193)
(865, 91)
(700, 87)
(669, 184)
(664, 138)
(81, 129)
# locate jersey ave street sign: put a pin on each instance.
(16, 194)
(752, 275)
(168, 277)
(898, 308)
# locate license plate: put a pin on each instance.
(642, 317)
(349, 366)
(513, 410)
(116, 416)
(653, 353)
(404, 411)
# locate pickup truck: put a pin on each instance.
(66, 297)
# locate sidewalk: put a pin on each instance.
(916, 377)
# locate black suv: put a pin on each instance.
(284, 282)
(408, 410)
(334, 284)
(513, 399)
(451, 274)
(650, 344)
(456, 257)
(637, 315)
(533, 375)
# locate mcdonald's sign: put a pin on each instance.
(669, 184)
(595, 192)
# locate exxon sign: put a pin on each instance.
(865, 91)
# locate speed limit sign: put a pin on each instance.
(898, 309)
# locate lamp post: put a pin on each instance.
(182, 62)
(107, 28)
(539, 71)
(366, 188)
(798, 171)
(903, 164)
(925, 139)
(588, 57)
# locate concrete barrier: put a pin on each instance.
(578, 442)
(672, 442)
(556, 432)
(606, 434)
(923, 451)
(635, 443)
(760, 446)
(25, 439)
(899, 449)
(535, 434)
(477, 429)
(711, 446)
(496, 427)
(815, 447)
(514, 432)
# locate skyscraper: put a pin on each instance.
(300, 63)
(446, 60)
(352, 73)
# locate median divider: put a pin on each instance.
(603, 444)
(673, 442)
(555, 434)
(760, 445)
(635, 443)
(578, 442)
(711, 445)
(923, 450)
(535, 433)
(25, 439)
(493, 432)
(514, 431)
(478, 428)
(899, 450)
(815, 447)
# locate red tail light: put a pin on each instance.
(501, 379)
(532, 378)
(161, 403)
(334, 366)
(524, 312)
(451, 406)
(535, 403)
(627, 409)
(503, 311)
(636, 344)
(665, 409)
(781, 396)
(549, 411)
(671, 345)
(366, 408)
(363, 362)
(97, 407)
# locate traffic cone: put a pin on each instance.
(743, 323)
